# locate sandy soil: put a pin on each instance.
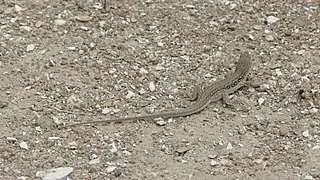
(69, 61)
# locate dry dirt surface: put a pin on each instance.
(68, 61)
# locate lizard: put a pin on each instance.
(214, 92)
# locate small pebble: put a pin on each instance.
(181, 151)
(269, 38)
(94, 161)
(30, 47)
(185, 57)
(159, 67)
(212, 156)
(313, 110)
(250, 36)
(60, 22)
(23, 145)
(258, 161)
(229, 146)
(142, 91)
(73, 145)
(98, 5)
(257, 27)
(25, 28)
(43, 51)
(113, 148)
(55, 119)
(84, 28)
(214, 23)
(38, 128)
(233, 5)
(38, 24)
(112, 70)
(130, 94)
(143, 71)
(3, 104)
(301, 52)
(152, 87)
(18, 8)
(265, 87)
(22, 178)
(72, 48)
(11, 139)
(283, 131)
(272, 19)
(83, 18)
(111, 169)
(74, 101)
(189, 6)
(214, 163)
(92, 45)
(260, 101)
(175, 90)
(102, 23)
(53, 138)
(54, 174)
(160, 121)
(305, 133)
(94, 156)
(127, 153)
(278, 72)
(316, 147)
(308, 177)
(160, 44)
(225, 162)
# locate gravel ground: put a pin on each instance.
(69, 61)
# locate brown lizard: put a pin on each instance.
(216, 91)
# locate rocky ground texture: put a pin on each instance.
(69, 61)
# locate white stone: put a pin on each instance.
(143, 71)
(30, 47)
(305, 133)
(111, 169)
(106, 110)
(71, 48)
(316, 147)
(269, 38)
(127, 153)
(130, 94)
(152, 87)
(229, 146)
(251, 37)
(53, 138)
(260, 101)
(25, 28)
(11, 139)
(160, 121)
(23, 145)
(18, 8)
(272, 19)
(278, 72)
(214, 163)
(54, 174)
(94, 161)
(300, 52)
(60, 22)
(114, 148)
(308, 177)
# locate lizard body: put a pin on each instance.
(216, 91)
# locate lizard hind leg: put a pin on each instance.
(197, 91)
(238, 103)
